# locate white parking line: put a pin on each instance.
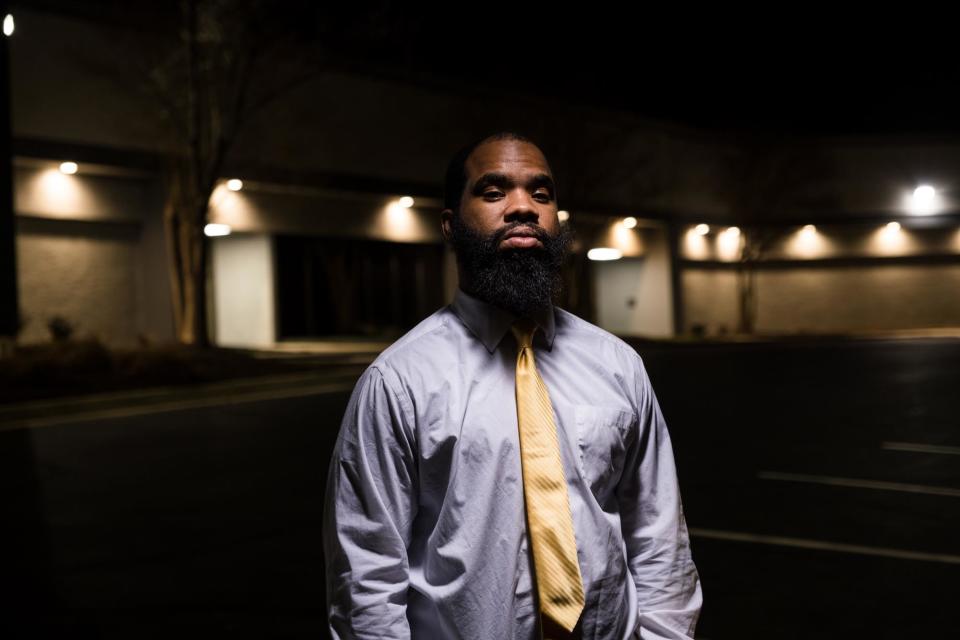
(176, 405)
(861, 484)
(921, 448)
(823, 545)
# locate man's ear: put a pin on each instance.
(446, 219)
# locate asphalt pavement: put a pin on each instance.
(820, 480)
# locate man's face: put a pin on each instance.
(507, 237)
(509, 183)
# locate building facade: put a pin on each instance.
(320, 244)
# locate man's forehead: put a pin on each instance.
(507, 156)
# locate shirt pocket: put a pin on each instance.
(601, 444)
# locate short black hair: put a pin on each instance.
(456, 178)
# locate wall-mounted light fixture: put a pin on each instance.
(604, 253)
(215, 229)
(924, 200)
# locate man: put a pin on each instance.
(433, 496)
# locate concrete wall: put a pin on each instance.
(84, 272)
(260, 208)
(634, 294)
(244, 306)
(90, 248)
(76, 81)
(827, 299)
(79, 81)
(709, 299)
(70, 84)
(833, 278)
(829, 242)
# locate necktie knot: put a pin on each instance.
(523, 330)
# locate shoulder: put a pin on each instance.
(612, 362)
(573, 332)
(429, 346)
(387, 380)
(416, 338)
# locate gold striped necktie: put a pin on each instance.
(549, 522)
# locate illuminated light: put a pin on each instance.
(924, 195)
(397, 213)
(60, 194)
(619, 237)
(563, 216)
(399, 223)
(234, 184)
(728, 243)
(68, 168)
(890, 240)
(702, 229)
(215, 229)
(695, 245)
(807, 243)
(406, 202)
(629, 222)
(604, 253)
(924, 200)
(232, 208)
(8, 25)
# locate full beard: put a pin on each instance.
(520, 280)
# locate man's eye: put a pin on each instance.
(543, 195)
(488, 194)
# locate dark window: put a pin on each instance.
(355, 287)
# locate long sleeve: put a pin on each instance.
(669, 596)
(369, 506)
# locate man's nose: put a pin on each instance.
(522, 207)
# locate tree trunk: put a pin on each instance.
(746, 288)
(184, 219)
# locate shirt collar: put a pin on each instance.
(489, 323)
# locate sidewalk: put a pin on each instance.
(34, 414)
(232, 369)
(78, 374)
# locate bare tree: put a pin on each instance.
(756, 240)
(226, 60)
(203, 69)
(766, 178)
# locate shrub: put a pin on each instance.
(61, 329)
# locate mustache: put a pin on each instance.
(541, 234)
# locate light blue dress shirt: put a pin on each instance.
(424, 523)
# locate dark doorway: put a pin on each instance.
(355, 287)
